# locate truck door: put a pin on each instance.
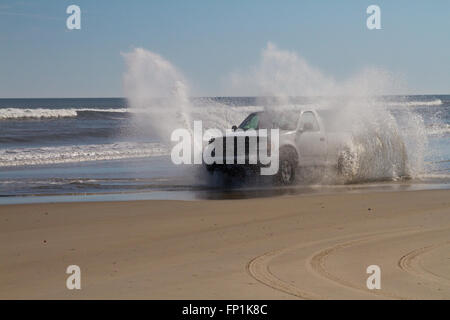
(311, 141)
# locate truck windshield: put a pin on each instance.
(285, 120)
(251, 122)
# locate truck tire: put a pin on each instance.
(287, 166)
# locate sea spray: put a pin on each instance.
(382, 146)
(159, 101)
(157, 92)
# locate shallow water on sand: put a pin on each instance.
(158, 178)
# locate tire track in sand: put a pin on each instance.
(410, 263)
(316, 263)
(259, 269)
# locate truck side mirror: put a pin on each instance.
(234, 128)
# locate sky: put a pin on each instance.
(209, 40)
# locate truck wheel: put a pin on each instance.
(287, 166)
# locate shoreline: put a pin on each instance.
(289, 247)
(223, 193)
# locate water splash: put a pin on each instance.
(155, 88)
(380, 146)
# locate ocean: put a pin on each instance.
(91, 149)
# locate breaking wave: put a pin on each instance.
(41, 113)
(80, 153)
(439, 129)
(417, 103)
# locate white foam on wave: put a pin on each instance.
(439, 129)
(218, 116)
(80, 153)
(444, 176)
(39, 113)
(415, 103)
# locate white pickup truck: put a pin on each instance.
(307, 138)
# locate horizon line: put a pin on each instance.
(221, 96)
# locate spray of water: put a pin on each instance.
(157, 93)
(380, 146)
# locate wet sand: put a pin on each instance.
(314, 246)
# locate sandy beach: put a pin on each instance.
(290, 247)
